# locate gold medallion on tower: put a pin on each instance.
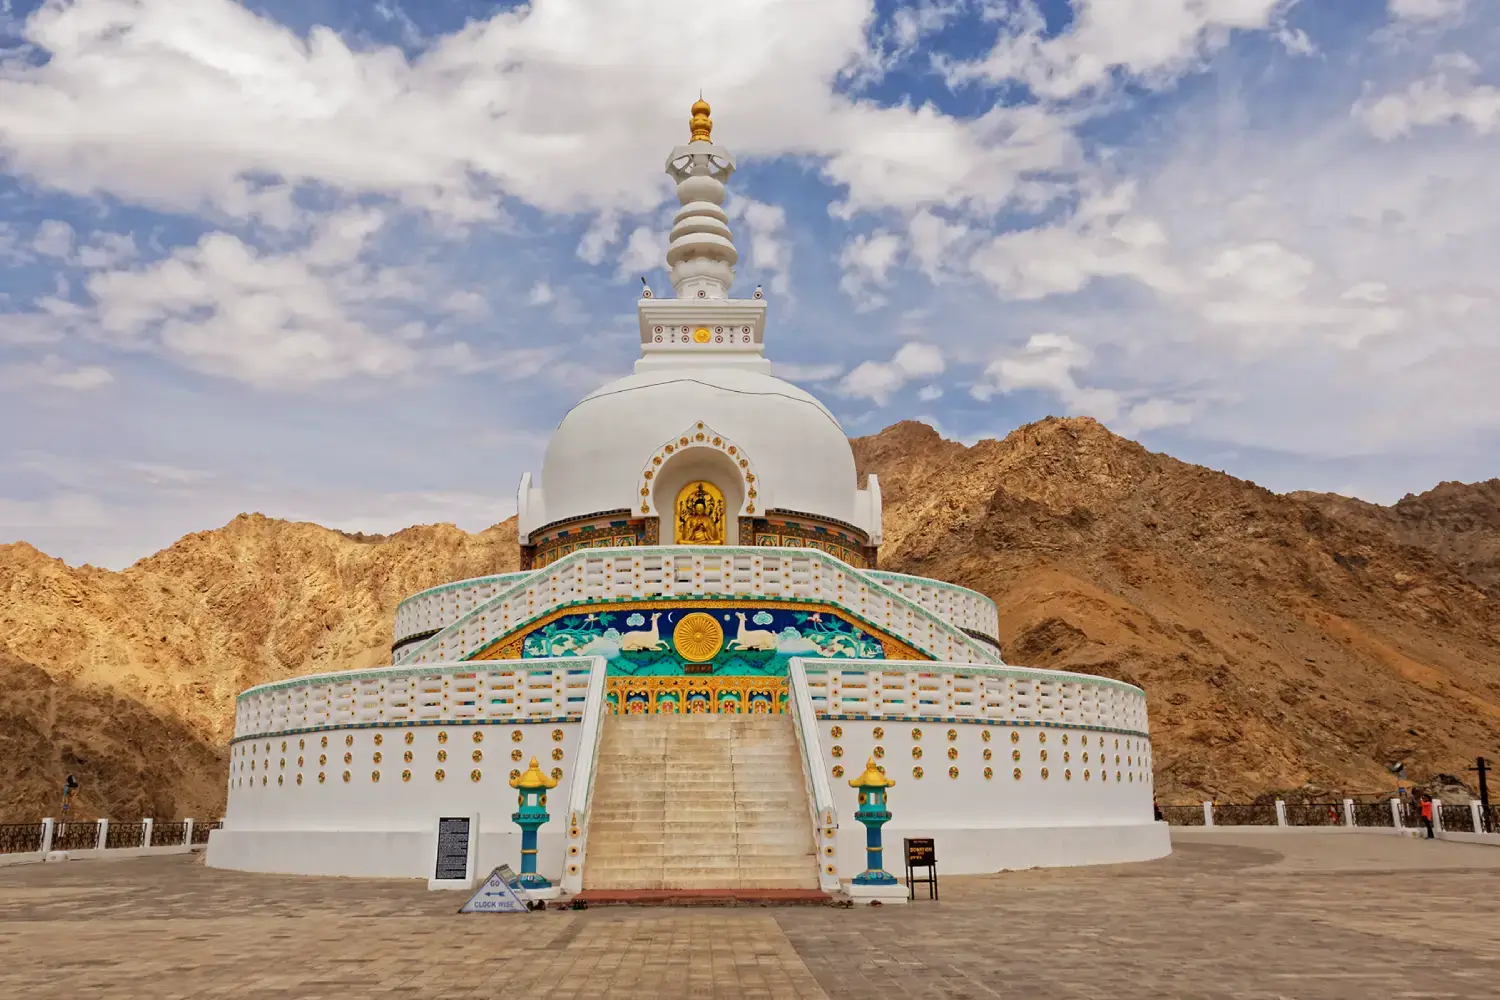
(698, 637)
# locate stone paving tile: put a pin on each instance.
(1248, 917)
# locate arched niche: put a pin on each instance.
(688, 465)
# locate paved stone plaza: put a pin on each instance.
(1228, 915)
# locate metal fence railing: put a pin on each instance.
(1457, 818)
(201, 831)
(75, 837)
(125, 835)
(168, 834)
(1372, 813)
(1318, 814)
(1246, 814)
(20, 838)
(1492, 817)
(1183, 815)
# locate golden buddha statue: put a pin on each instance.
(700, 515)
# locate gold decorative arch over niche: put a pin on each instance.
(699, 515)
(700, 435)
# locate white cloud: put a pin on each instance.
(1150, 41)
(1427, 10)
(1449, 95)
(52, 372)
(928, 393)
(54, 238)
(275, 320)
(935, 243)
(867, 260)
(1103, 238)
(645, 250)
(541, 294)
(1049, 362)
(770, 251)
(106, 249)
(794, 372)
(879, 381)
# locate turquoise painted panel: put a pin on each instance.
(757, 641)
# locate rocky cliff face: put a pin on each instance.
(1282, 640)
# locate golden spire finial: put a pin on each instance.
(701, 125)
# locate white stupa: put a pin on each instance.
(697, 649)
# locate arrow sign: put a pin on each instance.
(495, 896)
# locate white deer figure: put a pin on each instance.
(642, 641)
(752, 638)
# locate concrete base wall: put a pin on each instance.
(978, 851)
(95, 854)
(375, 853)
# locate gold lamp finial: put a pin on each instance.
(872, 778)
(701, 125)
(533, 777)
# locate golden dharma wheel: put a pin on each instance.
(698, 637)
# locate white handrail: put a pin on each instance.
(581, 796)
(820, 795)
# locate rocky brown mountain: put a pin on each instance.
(1285, 641)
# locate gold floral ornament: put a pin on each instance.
(952, 735)
(514, 773)
(533, 777)
(557, 753)
(880, 751)
(301, 744)
(405, 775)
(299, 779)
(698, 637)
(837, 751)
(283, 746)
(346, 777)
(379, 739)
(916, 753)
(442, 736)
(478, 756)
(410, 738)
(1015, 737)
(322, 760)
(299, 761)
(557, 774)
(1044, 755)
(987, 753)
(989, 773)
(1044, 774)
(557, 735)
(1016, 773)
(984, 734)
(479, 736)
(837, 732)
(440, 774)
(1065, 739)
(838, 770)
(322, 777)
(953, 753)
(374, 775)
(348, 741)
(407, 757)
(916, 734)
(348, 758)
(442, 756)
(474, 775)
(1041, 737)
(515, 754)
(952, 772)
(1067, 774)
(916, 772)
(879, 733)
(516, 736)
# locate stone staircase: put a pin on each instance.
(699, 802)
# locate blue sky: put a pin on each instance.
(351, 263)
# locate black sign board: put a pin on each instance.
(453, 848)
(921, 853)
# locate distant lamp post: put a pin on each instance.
(873, 814)
(532, 785)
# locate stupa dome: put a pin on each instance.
(796, 452)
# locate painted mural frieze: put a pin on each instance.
(728, 640)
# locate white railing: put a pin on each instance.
(581, 796)
(486, 691)
(819, 794)
(968, 609)
(438, 607)
(622, 574)
(889, 689)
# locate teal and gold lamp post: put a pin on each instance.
(873, 814)
(532, 785)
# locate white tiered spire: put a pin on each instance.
(702, 256)
(702, 326)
